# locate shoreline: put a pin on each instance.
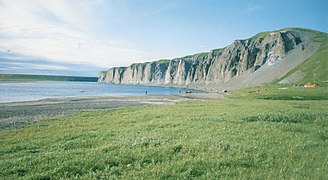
(19, 114)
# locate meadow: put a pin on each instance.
(246, 136)
(281, 92)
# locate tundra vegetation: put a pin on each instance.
(256, 133)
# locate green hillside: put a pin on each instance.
(316, 67)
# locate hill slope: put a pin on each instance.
(263, 58)
(315, 68)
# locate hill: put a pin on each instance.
(315, 68)
(290, 55)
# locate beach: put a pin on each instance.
(20, 114)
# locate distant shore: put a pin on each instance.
(33, 77)
(20, 114)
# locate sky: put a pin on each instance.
(82, 37)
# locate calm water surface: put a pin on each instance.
(27, 91)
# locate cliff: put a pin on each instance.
(260, 59)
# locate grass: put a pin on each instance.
(162, 61)
(316, 64)
(157, 62)
(261, 35)
(235, 138)
(198, 56)
(281, 92)
(28, 77)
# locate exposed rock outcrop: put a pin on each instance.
(234, 64)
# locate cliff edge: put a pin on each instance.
(263, 58)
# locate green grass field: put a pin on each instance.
(281, 92)
(246, 136)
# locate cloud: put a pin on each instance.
(61, 30)
(36, 66)
(11, 63)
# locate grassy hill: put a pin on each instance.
(27, 77)
(316, 67)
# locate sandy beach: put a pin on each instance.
(20, 114)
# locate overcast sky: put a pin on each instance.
(106, 33)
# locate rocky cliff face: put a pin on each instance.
(218, 66)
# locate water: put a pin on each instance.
(28, 91)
